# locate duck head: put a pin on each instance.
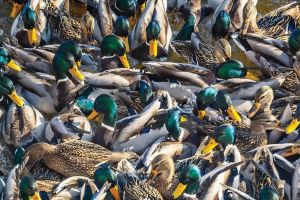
(74, 49)
(29, 189)
(17, 8)
(88, 24)
(221, 26)
(188, 27)
(224, 102)
(105, 174)
(152, 31)
(295, 121)
(204, 99)
(294, 41)
(223, 50)
(268, 193)
(141, 6)
(7, 88)
(145, 92)
(106, 106)
(262, 102)
(223, 134)
(6, 60)
(86, 106)
(29, 18)
(173, 123)
(189, 179)
(162, 169)
(19, 155)
(114, 45)
(122, 30)
(127, 8)
(64, 62)
(234, 69)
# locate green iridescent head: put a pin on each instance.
(73, 48)
(188, 27)
(206, 97)
(231, 69)
(221, 27)
(173, 123)
(29, 18)
(145, 92)
(189, 179)
(152, 30)
(63, 62)
(112, 45)
(19, 155)
(223, 100)
(6, 60)
(224, 134)
(268, 193)
(105, 174)
(106, 106)
(126, 7)
(7, 89)
(122, 26)
(29, 189)
(294, 41)
(85, 105)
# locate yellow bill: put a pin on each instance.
(32, 36)
(115, 192)
(201, 114)
(179, 190)
(292, 126)
(36, 196)
(124, 61)
(14, 66)
(142, 7)
(17, 8)
(210, 146)
(254, 109)
(252, 77)
(126, 42)
(76, 73)
(93, 115)
(153, 48)
(78, 63)
(233, 114)
(132, 21)
(183, 119)
(16, 99)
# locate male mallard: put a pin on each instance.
(22, 123)
(31, 27)
(188, 27)
(152, 34)
(58, 157)
(295, 121)
(7, 60)
(126, 8)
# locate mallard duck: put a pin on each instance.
(31, 27)
(152, 34)
(295, 121)
(31, 122)
(228, 17)
(163, 178)
(126, 8)
(58, 157)
(7, 60)
(276, 24)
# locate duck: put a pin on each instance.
(32, 120)
(293, 125)
(151, 36)
(126, 8)
(31, 27)
(17, 8)
(58, 157)
(7, 60)
(275, 24)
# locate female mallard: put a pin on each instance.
(152, 34)
(74, 158)
(277, 24)
(22, 124)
